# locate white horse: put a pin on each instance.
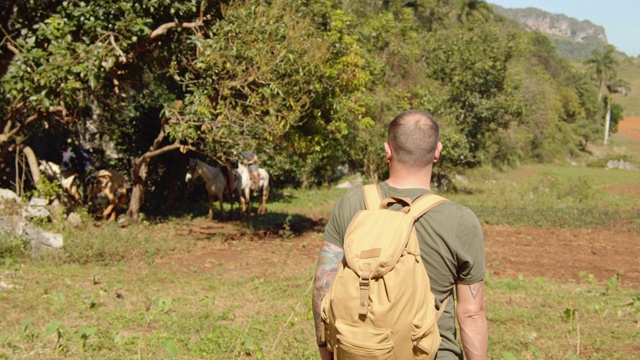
(263, 188)
(215, 183)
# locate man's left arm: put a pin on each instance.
(471, 316)
(326, 269)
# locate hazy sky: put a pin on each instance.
(620, 18)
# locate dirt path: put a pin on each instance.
(555, 254)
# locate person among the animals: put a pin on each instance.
(250, 159)
(450, 238)
(74, 168)
(74, 159)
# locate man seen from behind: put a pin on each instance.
(450, 238)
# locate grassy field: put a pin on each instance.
(629, 70)
(188, 288)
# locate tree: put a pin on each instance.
(74, 65)
(471, 68)
(470, 9)
(604, 68)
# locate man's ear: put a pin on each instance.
(438, 151)
(388, 151)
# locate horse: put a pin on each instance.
(263, 188)
(617, 90)
(110, 183)
(215, 183)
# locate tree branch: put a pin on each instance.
(159, 31)
(9, 134)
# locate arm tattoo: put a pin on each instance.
(474, 289)
(326, 269)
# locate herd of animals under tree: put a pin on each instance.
(104, 190)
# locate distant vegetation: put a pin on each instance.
(309, 85)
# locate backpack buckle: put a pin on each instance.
(364, 289)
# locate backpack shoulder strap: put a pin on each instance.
(372, 196)
(425, 203)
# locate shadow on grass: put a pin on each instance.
(271, 223)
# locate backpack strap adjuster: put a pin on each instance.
(364, 289)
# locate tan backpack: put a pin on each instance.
(380, 305)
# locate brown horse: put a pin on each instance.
(111, 184)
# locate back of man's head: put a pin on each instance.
(413, 136)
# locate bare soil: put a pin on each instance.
(554, 254)
(551, 253)
(630, 127)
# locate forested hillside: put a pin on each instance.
(309, 85)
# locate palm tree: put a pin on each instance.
(603, 65)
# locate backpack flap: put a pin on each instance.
(380, 252)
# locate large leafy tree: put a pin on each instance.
(471, 68)
(147, 78)
(75, 65)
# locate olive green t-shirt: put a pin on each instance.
(451, 244)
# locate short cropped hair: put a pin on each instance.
(414, 136)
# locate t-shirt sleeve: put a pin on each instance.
(332, 232)
(471, 256)
(341, 214)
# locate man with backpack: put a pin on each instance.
(363, 302)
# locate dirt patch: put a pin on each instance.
(561, 254)
(625, 189)
(555, 254)
(630, 127)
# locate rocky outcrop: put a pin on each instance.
(573, 38)
(14, 226)
(557, 24)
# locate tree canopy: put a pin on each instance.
(309, 85)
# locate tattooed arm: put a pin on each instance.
(326, 269)
(473, 322)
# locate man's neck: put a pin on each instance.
(410, 179)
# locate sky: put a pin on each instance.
(620, 18)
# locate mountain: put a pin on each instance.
(573, 38)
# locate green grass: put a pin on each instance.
(629, 70)
(553, 196)
(537, 319)
(106, 295)
(142, 312)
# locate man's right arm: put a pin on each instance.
(472, 319)
(326, 269)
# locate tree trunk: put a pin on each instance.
(137, 192)
(32, 159)
(607, 121)
(139, 173)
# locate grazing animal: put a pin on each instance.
(215, 183)
(263, 188)
(67, 180)
(111, 184)
(617, 90)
